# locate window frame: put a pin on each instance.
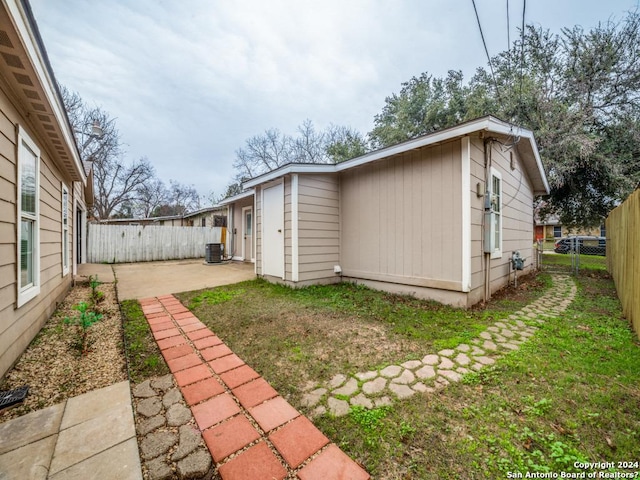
(559, 233)
(30, 290)
(497, 217)
(64, 220)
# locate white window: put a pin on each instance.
(65, 230)
(495, 194)
(28, 218)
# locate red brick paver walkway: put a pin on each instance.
(251, 431)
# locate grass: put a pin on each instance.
(570, 394)
(295, 336)
(143, 355)
(587, 262)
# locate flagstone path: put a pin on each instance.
(435, 371)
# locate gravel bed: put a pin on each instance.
(53, 365)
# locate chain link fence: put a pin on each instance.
(573, 249)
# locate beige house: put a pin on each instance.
(437, 216)
(240, 226)
(44, 193)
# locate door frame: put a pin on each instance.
(277, 183)
(244, 232)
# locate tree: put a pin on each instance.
(263, 153)
(115, 182)
(579, 92)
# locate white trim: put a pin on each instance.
(235, 198)
(244, 232)
(466, 214)
(278, 181)
(32, 290)
(497, 250)
(294, 228)
(487, 123)
(64, 205)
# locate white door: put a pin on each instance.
(273, 231)
(247, 234)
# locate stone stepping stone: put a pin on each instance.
(477, 351)
(426, 372)
(313, 398)
(382, 402)
(500, 324)
(338, 407)
(362, 401)
(450, 375)
(489, 345)
(462, 359)
(420, 387)
(463, 347)
(508, 333)
(412, 364)
(446, 353)
(406, 378)
(446, 364)
(391, 371)
(486, 336)
(337, 381)
(431, 359)
(401, 391)
(374, 386)
(348, 388)
(485, 360)
(509, 346)
(362, 376)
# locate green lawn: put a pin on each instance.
(570, 394)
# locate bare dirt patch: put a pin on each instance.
(53, 365)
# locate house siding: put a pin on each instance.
(401, 219)
(318, 227)
(18, 326)
(517, 210)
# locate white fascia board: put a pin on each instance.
(488, 123)
(288, 169)
(235, 198)
(30, 43)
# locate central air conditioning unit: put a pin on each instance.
(213, 252)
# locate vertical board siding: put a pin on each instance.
(318, 226)
(623, 256)
(401, 217)
(139, 243)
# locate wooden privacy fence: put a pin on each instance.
(623, 256)
(140, 243)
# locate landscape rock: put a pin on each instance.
(178, 414)
(149, 407)
(195, 466)
(144, 390)
(156, 444)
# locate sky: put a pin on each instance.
(189, 81)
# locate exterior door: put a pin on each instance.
(273, 231)
(247, 234)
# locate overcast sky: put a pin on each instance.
(190, 80)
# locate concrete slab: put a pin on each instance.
(30, 428)
(153, 279)
(120, 462)
(103, 271)
(30, 461)
(95, 404)
(84, 440)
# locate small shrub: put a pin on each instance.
(85, 319)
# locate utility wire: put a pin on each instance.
(486, 50)
(524, 9)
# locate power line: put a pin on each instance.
(524, 9)
(486, 50)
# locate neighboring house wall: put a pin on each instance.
(237, 228)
